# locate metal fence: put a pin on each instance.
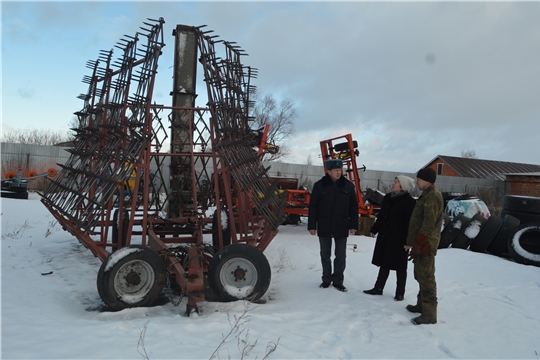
(39, 158)
(382, 180)
(31, 157)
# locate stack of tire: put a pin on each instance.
(374, 196)
(515, 234)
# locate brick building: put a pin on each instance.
(520, 179)
(526, 184)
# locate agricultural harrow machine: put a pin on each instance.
(148, 225)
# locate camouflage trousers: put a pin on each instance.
(424, 273)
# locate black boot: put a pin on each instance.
(381, 281)
(374, 291)
(400, 286)
(340, 287)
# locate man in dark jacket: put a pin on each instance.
(333, 213)
(423, 241)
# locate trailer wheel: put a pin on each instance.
(133, 276)
(239, 271)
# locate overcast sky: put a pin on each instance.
(409, 81)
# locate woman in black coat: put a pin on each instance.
(392, 225)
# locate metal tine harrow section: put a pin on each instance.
(244, 163)
(229, 88)
(113, 131)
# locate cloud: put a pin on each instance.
(26, 93)
(411, 80)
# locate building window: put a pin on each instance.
(439, 169)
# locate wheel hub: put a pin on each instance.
(239, 274)
(133, 278)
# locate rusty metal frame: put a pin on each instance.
(117, 161)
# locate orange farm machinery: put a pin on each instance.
(148, 225)
(15, 185)
(346, 149)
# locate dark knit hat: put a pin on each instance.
(332, 164)
(427, 174)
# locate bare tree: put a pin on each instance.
(74, 123)
(35, 136)
(280, 116)
(469, 154)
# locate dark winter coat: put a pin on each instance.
(392, 226)
(333, 208)
(427, 218)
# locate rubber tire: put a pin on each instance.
(116, 226)
(291, 219)
(528, 204)
(374, 196)
(453, 229)
(463, 241)
(15, 195)
(125, 268)
(486, 234)
(226, 233)
(446, 221)
(499, 245)
(19, 189)
(524, 244)
(524, 217)
(243, 259)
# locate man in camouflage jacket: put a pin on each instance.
(422, 241)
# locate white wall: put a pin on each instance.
(374, 179)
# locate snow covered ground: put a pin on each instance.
(488, 306)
